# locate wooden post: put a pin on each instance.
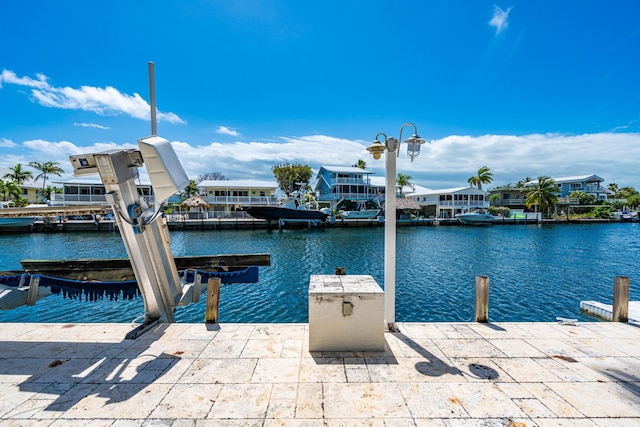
(213, 300)
(339, 271)
(620, 311)
(482, 299)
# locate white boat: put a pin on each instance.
(476, 218)
(15, 222)
(364, 209)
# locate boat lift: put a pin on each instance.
(145, 235)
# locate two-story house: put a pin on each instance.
(226, 197)
(449, 202)
(337, 183)
(89, 190)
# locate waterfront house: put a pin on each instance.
(589, 184)
(89, 190)
(227, 197)
(337, 183)
(449, 202)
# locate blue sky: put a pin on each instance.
(525, 88)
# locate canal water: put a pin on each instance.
(536, 272)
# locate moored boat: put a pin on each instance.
(292, 208)
(476, 218)
(361, 209)
(15, 222)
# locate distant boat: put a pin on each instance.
(476, 218)
(293, 208)
(15, 222)
(363, 209)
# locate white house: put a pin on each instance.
(228, 196)
(451, 201)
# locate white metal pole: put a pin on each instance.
(390, 237)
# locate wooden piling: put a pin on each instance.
(482, 299)
(620, 311)
(213, 300)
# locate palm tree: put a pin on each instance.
(402, 181)
(360, 164)
(191, 189)
(46, 169)
(613, 187)
(18, 175)
(9, 190)
(522, 182)
(484, 176)
(544, 193)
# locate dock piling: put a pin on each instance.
(213, 300)
(620, 299)
(482, 299)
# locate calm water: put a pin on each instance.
(536, 272)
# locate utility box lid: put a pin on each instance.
(343, 285)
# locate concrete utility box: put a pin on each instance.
(346, 313)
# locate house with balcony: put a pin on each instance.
(590, 184)
(227, 197)
(89, 190)
(337, 183)
(449, 202)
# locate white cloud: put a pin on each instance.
(500, 19)
(102, 101)
(223, 130)
(7, 143)
(443, 163)
(91, 125)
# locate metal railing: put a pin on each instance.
(242, 200)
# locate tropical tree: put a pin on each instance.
(18, 175)
(210, 176)
(360, 164)
(403, 180)
(484, 176)
(523, 182)
(494, 198)
(46, 169)
(583, 198)
(544, 193)
(47, 192)
(191, 189)
(292, 177)
(9, 190)
(613, 187)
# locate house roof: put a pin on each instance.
(345, 169)
(238, 183)
(564, 179)
(405, 203)
(92, 180)
(463, 190)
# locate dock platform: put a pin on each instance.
(430, 374)
(605, 311)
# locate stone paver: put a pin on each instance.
(430, 374)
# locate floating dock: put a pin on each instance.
(605, 310)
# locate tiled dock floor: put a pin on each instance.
(435, 374)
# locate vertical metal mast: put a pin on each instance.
(152, 99)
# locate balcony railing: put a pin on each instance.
(355, 181)
(241, 200)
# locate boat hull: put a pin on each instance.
(363, 214)
(476, 219)
(276, 213)
(17, 222)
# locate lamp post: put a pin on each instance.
(392, 147)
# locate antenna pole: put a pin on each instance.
(152, 99)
